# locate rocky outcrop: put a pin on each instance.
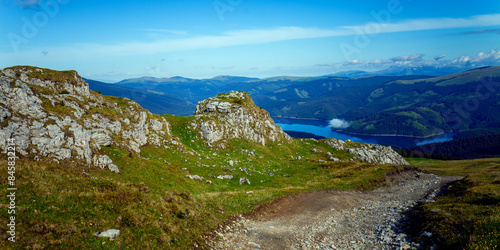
(235, 116)
(53, 115)
(368, 152)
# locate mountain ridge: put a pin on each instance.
(417, 106)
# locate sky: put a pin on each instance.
(111, 40)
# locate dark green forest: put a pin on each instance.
(466, 148)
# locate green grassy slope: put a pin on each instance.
(151, 201)
(467, 216)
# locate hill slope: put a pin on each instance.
(425, 107)
(86, 163)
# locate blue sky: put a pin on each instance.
(113, 40)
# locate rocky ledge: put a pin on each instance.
(368, 152)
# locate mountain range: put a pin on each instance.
(397, 105)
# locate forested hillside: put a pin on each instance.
(465, 148)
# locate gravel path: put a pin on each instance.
(334, 220)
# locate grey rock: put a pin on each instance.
(156, 125)
(368, 152)
(218, 120)
(102, 139)
(244, 180)
(194, 177)
(4, 114)
(427, 234)
(104, 161)
(110, 233)
(227, 177)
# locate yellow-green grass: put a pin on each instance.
(467, 216)
(61, 205)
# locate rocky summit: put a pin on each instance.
(235, 116)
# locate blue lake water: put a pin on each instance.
(321, 128)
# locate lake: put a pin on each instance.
(320, 128)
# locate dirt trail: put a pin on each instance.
(334, 220)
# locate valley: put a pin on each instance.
(227, 124)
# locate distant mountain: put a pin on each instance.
(350, 74)
(420, 70)
(154, 101)
(403, 105)
(400, 71)
(233, 79)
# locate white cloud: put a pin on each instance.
(481, 59)
(431, 24)
(338, 123)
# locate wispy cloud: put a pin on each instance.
(244, 37)
(433, 24)
(33, 4)
(324, 65)
(483, 31)
(167, 31)
(231, 38)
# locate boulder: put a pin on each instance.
(244, 180)
(194, 177)
(110, 233)
(227, 177)
(104, 161)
